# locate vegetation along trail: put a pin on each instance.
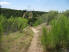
(35, 47)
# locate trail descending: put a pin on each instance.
(35, 47)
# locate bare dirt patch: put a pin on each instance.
(35, 44)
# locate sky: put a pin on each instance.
(36, 5)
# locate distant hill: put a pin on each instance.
(18, 13)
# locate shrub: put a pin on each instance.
(21, 23)
(12, 24)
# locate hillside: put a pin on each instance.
(18, 13)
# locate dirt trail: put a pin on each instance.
(35, 46)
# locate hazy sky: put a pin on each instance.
(41, 5)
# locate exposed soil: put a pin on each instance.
(35, 43)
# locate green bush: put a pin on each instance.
(21, 23)
(2, 20)
(12, 24)
(1, 31)
(37, 22)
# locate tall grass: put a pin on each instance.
(44, 36)
(58, 36)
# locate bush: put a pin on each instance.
(21, 23)
(12, 24)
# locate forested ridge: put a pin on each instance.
(18, 13)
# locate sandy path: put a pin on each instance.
(35, 46)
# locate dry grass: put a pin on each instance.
(17, 42)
